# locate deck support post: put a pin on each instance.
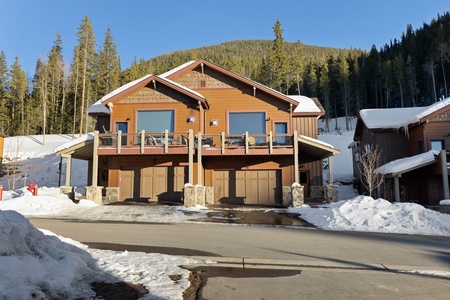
(95, 160)
(191, 156)
(296, 179)
(397, 188)
(199, 159)
(445, 174)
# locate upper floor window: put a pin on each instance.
(437, 145)
(253, 122)
(155, 120)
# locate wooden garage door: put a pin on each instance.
(153, 183)
(248, 187)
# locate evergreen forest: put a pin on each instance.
(409, 71)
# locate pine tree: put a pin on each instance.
(274, 66)
(108, 66)
(16, 97)
(55, 69)
(85, 64)
(4, 85)
(324, 84)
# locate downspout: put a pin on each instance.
(290, 118)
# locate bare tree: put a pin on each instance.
(12, 167)
(369, 161)
(430, 67)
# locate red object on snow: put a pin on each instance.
(35, 190)
(30, 187)
(1, 192)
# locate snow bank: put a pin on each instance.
(40, 265)
(34, 265)
(366, 214)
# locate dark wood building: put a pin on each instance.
(404, 136)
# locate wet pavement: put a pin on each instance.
(256, 217)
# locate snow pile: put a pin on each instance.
(37, 266)
(40, 265)
(48, 201)
(366, 214)
(51, 203)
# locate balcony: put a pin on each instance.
(152, 143)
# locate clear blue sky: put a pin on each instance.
(144, 29)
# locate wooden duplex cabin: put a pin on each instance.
(415, 149)
(202, 124)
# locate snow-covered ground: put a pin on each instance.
(36, 264)
(56, 267)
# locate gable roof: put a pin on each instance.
(396, 118)
(189, 66)
(100, 107)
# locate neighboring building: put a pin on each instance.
(414, 144)
(203, 125)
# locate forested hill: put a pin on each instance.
(412, 70)
(243, 57)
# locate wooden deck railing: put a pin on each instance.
(209, 142)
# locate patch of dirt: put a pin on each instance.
(118, 290)
(191, 292)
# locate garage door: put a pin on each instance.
(248, 187)
(153, 183)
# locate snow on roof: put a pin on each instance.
(83, 138)
(316, 141)
(396, 118)
(97, 107)
(407, 164)
(305, 104)
(174, 70)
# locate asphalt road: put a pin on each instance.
(267, 262)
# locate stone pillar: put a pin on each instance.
(287, 196)
(94, 193)
(200, 192)
(298, 195)
(68, 190)
(194, 195)
(112, 194)
(189, 196)
(209, 195)
(331, 193)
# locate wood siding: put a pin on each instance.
(305, 126)
(224, 101)
(394, 145)
(163, 98)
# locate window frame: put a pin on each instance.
(263, 119)
(156, 110)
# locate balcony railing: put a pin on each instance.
(214, 143)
